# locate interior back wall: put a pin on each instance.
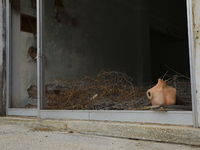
(105, 37)
(169, 45)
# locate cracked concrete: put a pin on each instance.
(24, 138)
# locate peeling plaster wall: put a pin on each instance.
(165, 49)
(108, 35)
(23, 69)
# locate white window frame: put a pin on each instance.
(161, 117)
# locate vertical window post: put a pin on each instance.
(40, 56)
(8, 55)
(193, 62)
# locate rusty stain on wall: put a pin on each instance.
(193, 13)
(194, 26)
(32, 52)
(15, 4)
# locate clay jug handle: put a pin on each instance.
(149, 94)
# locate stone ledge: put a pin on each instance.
(162, 133)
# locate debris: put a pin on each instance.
(93, 97)
(110, 90)
(30, 106)
(70, 132)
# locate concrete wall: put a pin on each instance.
(23, 69)
(167, 46)
(109, 35)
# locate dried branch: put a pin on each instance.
(177, 72)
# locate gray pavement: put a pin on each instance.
(14, 137)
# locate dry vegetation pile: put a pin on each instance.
(110, 90)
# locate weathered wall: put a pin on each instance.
(109, 35)
(169, 46)
(196, 52)
(23, 69)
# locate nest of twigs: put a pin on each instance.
(183, 87)
(110, 90)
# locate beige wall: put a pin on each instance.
(196, 51)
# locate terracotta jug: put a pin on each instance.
(162, 94)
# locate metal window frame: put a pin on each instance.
(171, 117)
(8, 55)
(40, 57)
(22, 112)
(159, 117)
(12, 111)
(192, 63)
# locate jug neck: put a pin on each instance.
(161, 83)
